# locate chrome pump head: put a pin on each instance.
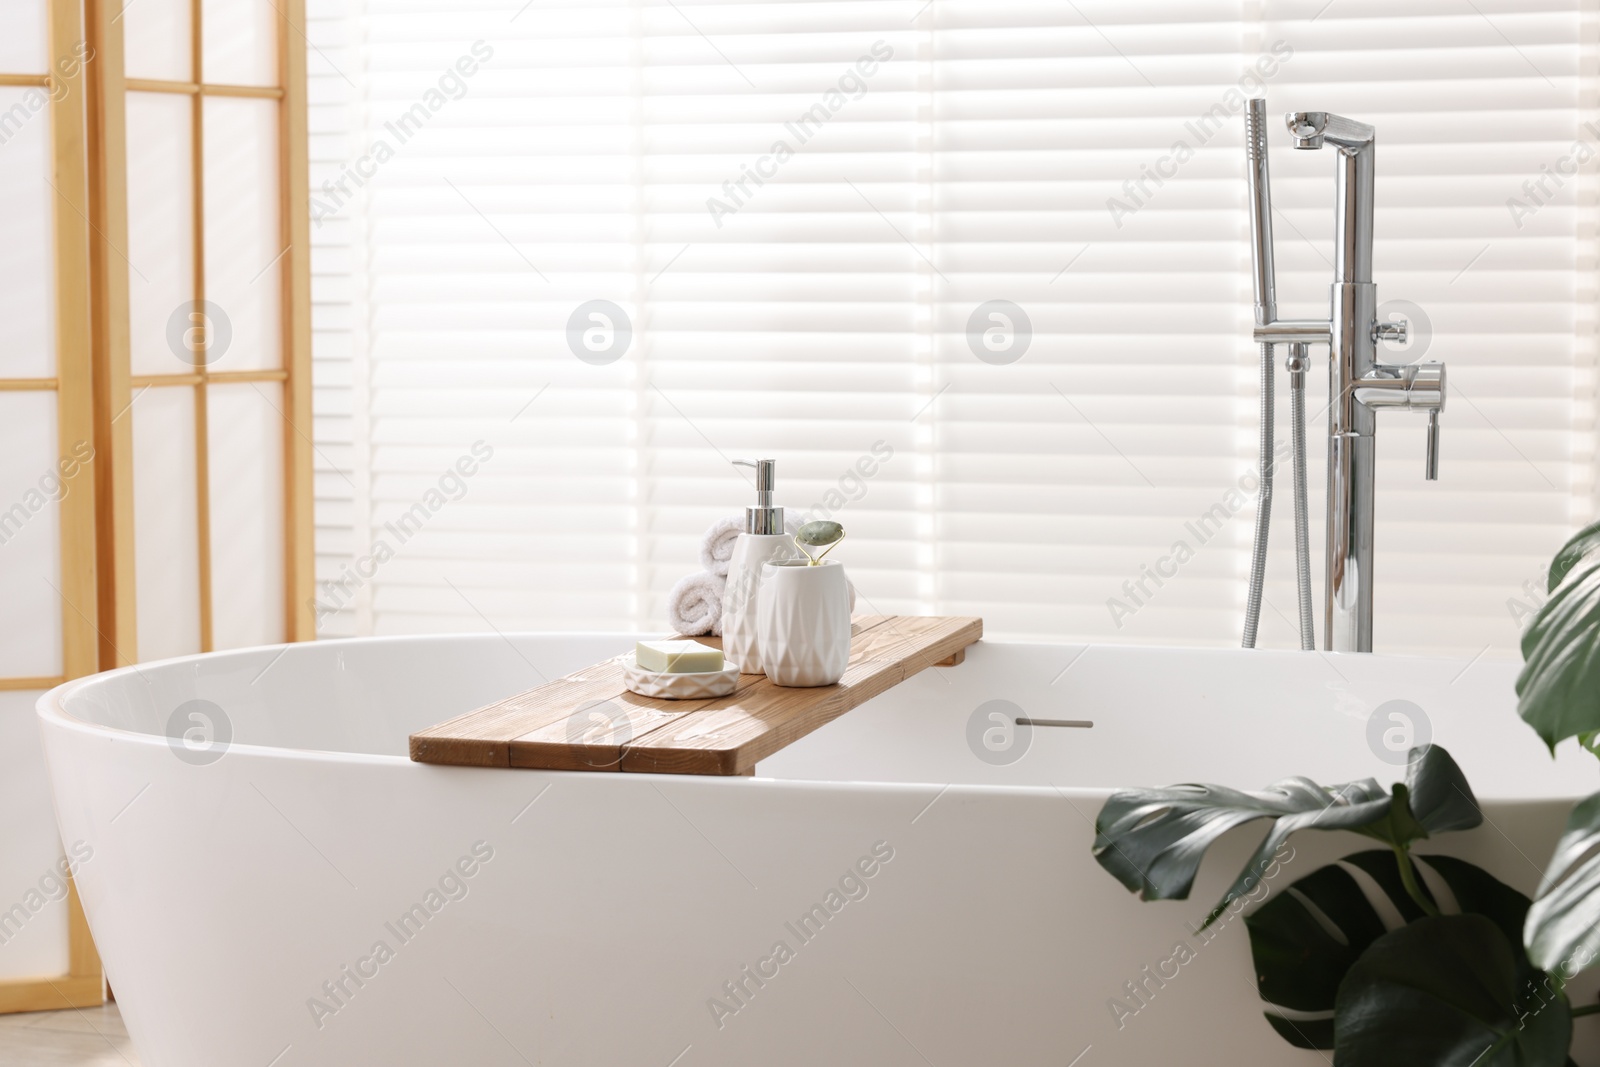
(766, 517)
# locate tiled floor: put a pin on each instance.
(89, 1037)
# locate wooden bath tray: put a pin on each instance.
(589, 722)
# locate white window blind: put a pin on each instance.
(807, 211)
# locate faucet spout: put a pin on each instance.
(1353, 184)
(1311, 128)
(1306, 128)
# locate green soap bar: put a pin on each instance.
(677, 657)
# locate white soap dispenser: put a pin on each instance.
(762, 541)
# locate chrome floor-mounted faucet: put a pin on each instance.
(1358, 385)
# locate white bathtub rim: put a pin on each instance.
(51, 708)
(933, 790)
(51, 705)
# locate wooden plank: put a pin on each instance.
(480, 738)
(158, 85)
(12, 684)
(596, 743)
(215, 377)
(294, 207)
(593, 737)
(227, 377)
(588, 721)
(51, 994)
(202, 394)
(540, 720)
(109, 321)
(732, 738)
(70, 117)
(80, 641)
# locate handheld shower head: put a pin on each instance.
(1260, 194)
(1255, 132)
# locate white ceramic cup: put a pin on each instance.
(803, 622)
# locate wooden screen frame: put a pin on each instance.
(84, 983)
(117, 388)
(95, 387)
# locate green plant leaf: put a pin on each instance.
(1448, 991)
(1299, 960)
(1439, 795)
(1591, 742)
(1397, 824)
(1585, 543)
(1558, 691)
(1152, 840)
(1563, 926)
(1478, 892)
(1306, 938)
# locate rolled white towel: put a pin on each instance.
(716, 547)
(694, 606)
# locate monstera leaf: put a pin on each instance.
(1583, 545)
(1563, 928)
(1305, 941)
(1152, 840)
(1558, 691)
(1448, 990)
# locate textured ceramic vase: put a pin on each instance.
(803, 622)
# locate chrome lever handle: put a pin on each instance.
(1412, 387)
(1430, 468)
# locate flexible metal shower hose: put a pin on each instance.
(1302, 548)
(1258, 555)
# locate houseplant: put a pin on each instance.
(1479, 983)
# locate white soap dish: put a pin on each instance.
(700, 685)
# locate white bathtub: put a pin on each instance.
(604, 913)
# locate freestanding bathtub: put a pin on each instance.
(284, 887)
